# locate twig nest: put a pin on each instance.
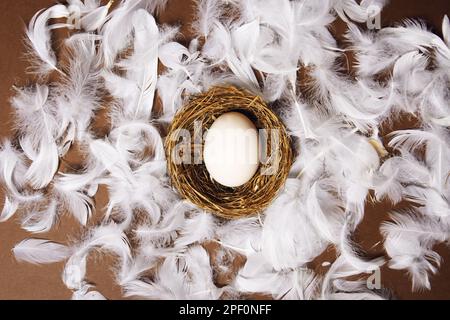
(185, 162)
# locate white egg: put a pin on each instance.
(231, 149)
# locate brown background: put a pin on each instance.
(25, 281)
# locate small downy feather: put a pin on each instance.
(198, 227)
(36, 119)
(166, 231)
(95, 18)
(409, 241)
(257, 276)
(45, 162)
(39, 37)
(235, 48)
(335, 285)
(437, 154)
(39, 251)
(387, 184)
(132, 270)
(200, 281)
(324, 212)
(40, 221)
(432, 202)
(208, 12)
(446, 30)
(188, 277)
(85, 294)
(350, 252)
(10, 159)
(243, 235)
(299, 242)
(116, 32)
(12, 173)
(9, 209)
(137, 88)
(145, 49)
(358, 12)
(109, 237)
(80, 94)
(86, 179)
(78, 203)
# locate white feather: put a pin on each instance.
(188, 276)
(9, 209)
(208, 12)
(38, 251)
(145, 49)
(409, 240)
(197, 228)
(446, 30)
(95, 17)
(80, 95)
(39, 37)
(78, 203)
(350, 252)
(45, 163)
(336, 286)
(324, 212)
(107, 237)
(235, 47)
(37, 121)
(116, 32)
(258, 277)
(299, 242)
(41, 221)
(166, 231)
(13, 169)
(437, 154)
(243, 235)
(84, 294)
(358, 12)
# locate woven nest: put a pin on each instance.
(193, 180)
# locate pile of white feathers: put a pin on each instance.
(121, 53)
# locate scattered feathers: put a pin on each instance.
(334, 121)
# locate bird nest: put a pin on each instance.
(192, 179)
